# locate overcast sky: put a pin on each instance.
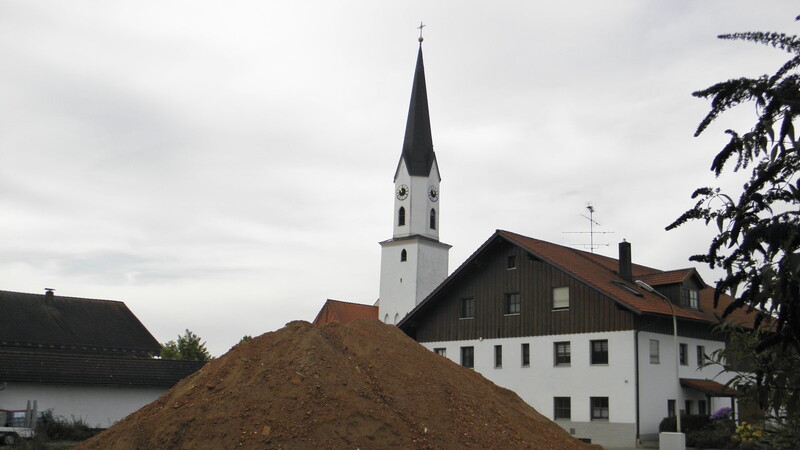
(227, 166)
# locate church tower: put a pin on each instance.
(413, 261)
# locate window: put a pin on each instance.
(562, 410)
(688, 407)
(599, 352)
(468, 308)
(701, 355)
(512, 303)
(561, 352)
(561, 297)
(440, 351)
(653, 351)
(468, 357)
(403, 255)
(498, 356)
(526, 355)
(683, 355)
(433, 219)
(670, 408)
(512, 262)
(401, 217)
(701, 407)
(599, 408)
(690, 298)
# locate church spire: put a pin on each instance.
(418, 143)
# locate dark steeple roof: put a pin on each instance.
(418, 143)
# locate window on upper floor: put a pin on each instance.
(561, 297)
(561, 353)
(467, 308)
(512, 303)
(690, 298)
(403, 255)
(511, 263)
(599, 408)
(684, 354)
(401, 217)
(654, 356)
(468, 357)
(599, 352)
(440, 351)
(701, 355)
(670, 408)
(433, 219)
(562, 408)
(526, 355)
(498, 356)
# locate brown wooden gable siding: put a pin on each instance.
(488, 280)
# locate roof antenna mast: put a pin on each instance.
(591, 232)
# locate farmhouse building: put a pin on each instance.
(576, 337)
(80, 358)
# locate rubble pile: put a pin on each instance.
(361, 385)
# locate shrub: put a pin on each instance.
(688, 423)
(61, 429)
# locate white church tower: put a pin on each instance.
(413, 261)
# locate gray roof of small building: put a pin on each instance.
(55, 324)
(25, 367)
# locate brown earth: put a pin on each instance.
(361, 385)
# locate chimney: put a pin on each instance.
(625, 260)
(49, 293)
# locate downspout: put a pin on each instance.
(636, 379)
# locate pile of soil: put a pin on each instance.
(360, 385)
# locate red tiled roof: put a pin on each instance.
(668, 277)
(600, 272)
(343, 312)
(709, 387)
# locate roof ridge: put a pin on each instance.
(64, 297)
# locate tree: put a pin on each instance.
(759, 234)
(188, 348)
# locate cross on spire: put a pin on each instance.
(420, 27)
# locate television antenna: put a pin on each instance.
(591, 245)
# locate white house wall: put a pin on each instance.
(98, 406)
(658, 384)
(542, 380)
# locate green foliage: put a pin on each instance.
(717, 434)
(245, 339)
(189, 347)
(57, 428)
(688, 423)
(759, 233)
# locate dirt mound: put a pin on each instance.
(360, 385)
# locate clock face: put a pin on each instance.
(433, 193)
(402, 192)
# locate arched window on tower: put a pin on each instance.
(403, 255)
(401, 217)
(433, 219)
